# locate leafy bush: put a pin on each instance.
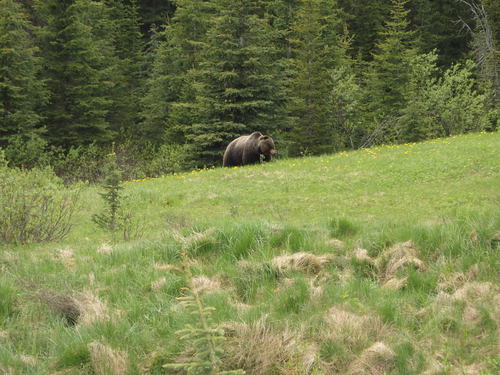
(82, 163)
(441, 107)
(169, 159)
(35, 205)
(27, 151)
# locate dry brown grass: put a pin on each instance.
(195, 237)
(378, 359)
(166, 267)
(66, 256)
(158, 284)
(452, 281)
(108, 361)
(351, 330)
(91, 308)
(336, 243)
(302, 261)
(105, 248)
(395, 283)
(361, 255)
(258, 348)
(396, 259)
(474, 291)
(204, 285)
(28, 359)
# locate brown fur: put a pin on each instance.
(247, 150)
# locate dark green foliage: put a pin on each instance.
(27, 151)
(22, 93)
(128, 68)
(173, 82)
(77, 52)
(238, 85)
(169, 106)
(390, 69)
(318, 47)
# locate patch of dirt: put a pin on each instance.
(108, 361)
(378, 359)
(471, 315)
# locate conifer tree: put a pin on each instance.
(238, 85)
(389, 72)
(318, 48)
(169, 92)
(79, 62)
(365, 18)
(128, 72)
(281, 14)
(22, 93)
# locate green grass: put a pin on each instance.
(232, 223)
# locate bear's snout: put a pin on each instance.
(273, 151)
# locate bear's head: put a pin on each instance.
(266, 146)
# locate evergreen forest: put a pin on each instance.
(167, 84)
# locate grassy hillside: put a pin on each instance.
(379, 260)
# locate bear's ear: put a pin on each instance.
(264, 137)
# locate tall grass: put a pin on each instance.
(322, 317)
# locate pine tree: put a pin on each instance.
(281, 14)
(390, 69)
(22, 93)
(238, 88)
(128, 74)
(79, 64)
(317, 48)
(365, 18)
(169, 93)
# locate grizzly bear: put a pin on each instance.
(247, 150)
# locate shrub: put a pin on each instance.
(27, 151)
(169, 159)
(35, 205)
(79, 163)
(441, 107)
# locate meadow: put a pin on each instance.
(376, 261)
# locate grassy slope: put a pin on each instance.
(442, 194)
